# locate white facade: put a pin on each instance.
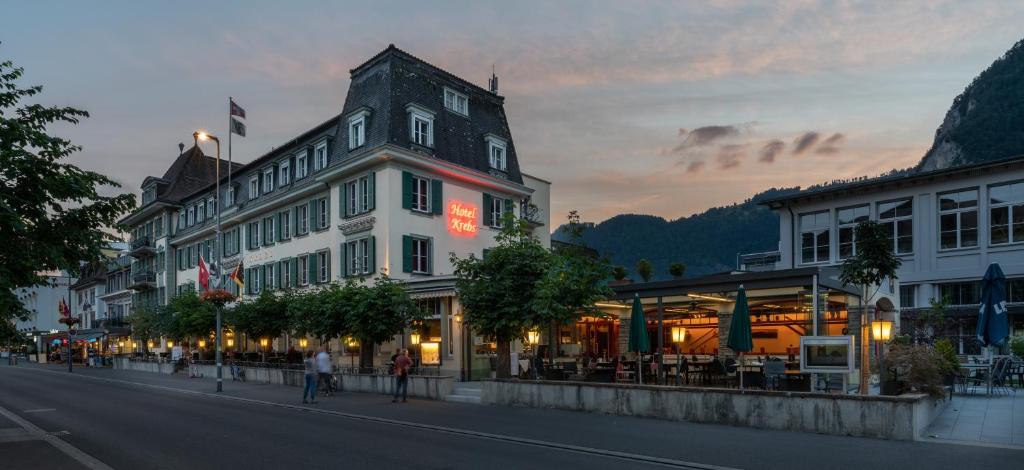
(42, 302)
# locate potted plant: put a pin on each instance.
(951, 364)
(915, 368)
(1017, 346)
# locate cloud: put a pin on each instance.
(707, 135)
(830, 145)
(805, 141)
(771, 150)
(695, 167)
(730, 156)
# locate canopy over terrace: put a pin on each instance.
(782, 309)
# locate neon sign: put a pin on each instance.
(462, 218)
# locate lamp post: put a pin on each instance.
(352, 343)
(678, 336)
(881, 332)
(198, 135)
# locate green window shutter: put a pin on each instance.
(343, 207)
(248, 237)
(373, 254)
(488, 216)
(430, 256)
(373, 190)
(277, 226)
(436, 197)
(329, 265)
(277, 275)
(406, 254)
(406, 190)
(327, 220)
(311, 271)
(263, 277)
(293, 266)
(344, 260)
(312, 220)
(487, 252)
(509, 206)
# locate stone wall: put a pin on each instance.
(905, 417)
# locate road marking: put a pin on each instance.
(39, 410)
(86, 460)
(635, 458)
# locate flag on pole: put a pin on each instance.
(204, 274)
(236, 110)
(238, 276)
(237, 127)
(62, 307)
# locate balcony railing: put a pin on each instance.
(142, 246)
(531, 214)
(143, 280)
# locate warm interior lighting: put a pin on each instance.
(608, 305)
(264, 342)
(303, 342)
(533, 337)
(414, 338)
(202, 343)
(149, 343)
(707, 297)
(231, 342)
(120, 344)
(881, 330)
(170, 344)
(351, 342)
(678, 334)
(458, 317)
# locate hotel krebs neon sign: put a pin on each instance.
(462, 218)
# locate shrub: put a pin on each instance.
(945, 349)
(922, 367)
(1017, 346)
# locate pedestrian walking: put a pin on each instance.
(323, 369)
(401, 367)
(310, 390)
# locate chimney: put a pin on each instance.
(181, 148)
(492, 83)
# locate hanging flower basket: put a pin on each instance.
(218, 297)
(70, 321)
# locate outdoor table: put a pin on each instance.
(988, 374)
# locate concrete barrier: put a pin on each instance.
(421, 386)
(904, 417)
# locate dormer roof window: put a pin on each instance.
(421, 125)
(357, 128)
(456, 102)
(497, 151)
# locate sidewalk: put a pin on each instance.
(980, 419)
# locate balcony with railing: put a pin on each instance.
(143, 280)
(765, 261)
(142, 247)
(531, 214)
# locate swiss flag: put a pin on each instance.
(204, 274)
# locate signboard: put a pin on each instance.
(462, 218)
(827, 354)
(430, 354)
(176, 353)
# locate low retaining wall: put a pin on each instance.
(423, 386)
(905, 417)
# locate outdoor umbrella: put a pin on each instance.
(993, 327)
(740, 337)
(638, 340)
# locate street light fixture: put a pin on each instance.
(881, 332)
(303, 342)
(414, 338)
(218, 245)
(678, 337)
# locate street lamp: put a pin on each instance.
(414, 339)
(303, 342)
(881, 332)
(352, 343)
(202, 343)
(200, 135)
(533, 337)
(170, 344)
(678, 337)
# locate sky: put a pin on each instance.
(662, 108)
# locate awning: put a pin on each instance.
(432, 294)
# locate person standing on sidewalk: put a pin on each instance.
(310, 390)
(323, 368)
(402, 364)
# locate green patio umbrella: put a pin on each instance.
(638, 340)
(740, 337)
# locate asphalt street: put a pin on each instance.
(100, 418)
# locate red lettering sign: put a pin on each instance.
(462, 218)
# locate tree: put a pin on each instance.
(677, 270)
(619, 273)
(51, 213)
(644, 269)
(872, 263)
(497, 291)
(574, 281)
(381, 311)
(146, 325)
(262, 317)
(322, 313)
(193, 317)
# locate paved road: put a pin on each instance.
(133, 420)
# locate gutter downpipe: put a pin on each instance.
(792, 237)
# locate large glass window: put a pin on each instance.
(961, 293)
(907, 296)
(1006, 203)
(958, 219)
(848, 219)
(814, 237)
(1015, 290)
(358, 255)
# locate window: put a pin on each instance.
(420, 194)
(323, 265)
(359, 196)
(268, 180)
(148, 195)
(456, 101)
(254, 279)
(301, 166)
(284, 172)
(356, 131)
(496, 152)
(254, 235)
(320, 155)
(254, 187)
(322, 219)
(958, 219)
(286, 273)
(358, 257)
(1006, 202)
(181, 220)
(420, 255)
(961, 293)
(269, 227)
(353, 197)
(303, 270)
(286, 225)
(897, 218)
(230, 197)
(269, 281)
(191, 215)
(421, 125)
(158, 227)
(848, 219)
(908, 296)
(211, 207)
(497, 210)
(302, 219)
(814, 239)
(1015, 290)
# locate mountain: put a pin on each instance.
(706, 243)
(986, 122)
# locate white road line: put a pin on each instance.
(87, 460)
(636, 458)
(39, 410)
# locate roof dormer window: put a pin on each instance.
(421, 125)
(456, 102)
(254, 187)
(497, 152)
(357, 129)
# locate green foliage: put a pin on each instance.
(922, 367)
(191, 317)
(677, 270)
(380, 311)
(929, 323)
(874, 260)
(644, 269)
(945, 349)
(146, 323)
(574, 281)
(262, 317)
(619, 273)
(1017, 346)
(51, 213)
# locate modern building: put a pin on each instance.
(945, 225)
(42, 302)
(418, 164)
